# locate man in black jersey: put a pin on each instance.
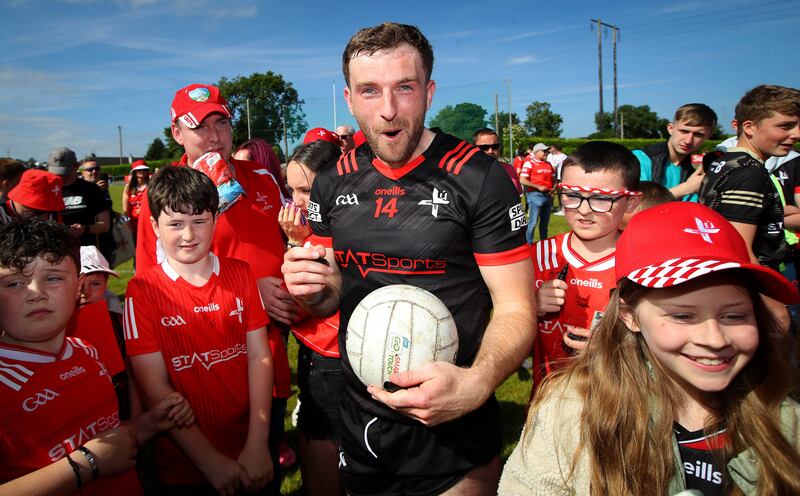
(417, 207)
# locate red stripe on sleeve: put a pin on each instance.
(464, 160)
(505, 257)
(327, 242)
(451, 153)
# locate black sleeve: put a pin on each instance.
(498, 216)
(319, 203)
(743, 198)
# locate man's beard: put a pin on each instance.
(396, 154)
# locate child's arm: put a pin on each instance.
(171, 412)
(114, 451)
(225, 474)
(550, 296)
(255, 457)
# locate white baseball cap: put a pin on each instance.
(94, 261)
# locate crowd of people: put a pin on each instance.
(660, 328)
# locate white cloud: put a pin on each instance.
(522, 59)
(530, 34)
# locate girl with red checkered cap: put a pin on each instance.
(683, 385)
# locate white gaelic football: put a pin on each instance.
(397, 328)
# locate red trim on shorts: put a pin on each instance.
(504, 257)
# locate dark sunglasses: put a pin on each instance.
(92, 169)
(344, 136)
(490, 146)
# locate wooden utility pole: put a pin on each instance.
(600, 26)
(285, 138)
(120, 144)
(496, 115)
(248, 120)
(510, 124)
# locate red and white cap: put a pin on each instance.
(676, 242)
(39, 190)
(320, 133)
(139, 165)
(195, 102)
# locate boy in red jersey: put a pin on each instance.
(195, 323)
(574, 271)
(59, 424)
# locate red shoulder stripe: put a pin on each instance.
(465, 159)
(458, 156)
(340, 166)
(451, 153)
(353, 161)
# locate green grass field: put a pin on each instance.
(512, 394)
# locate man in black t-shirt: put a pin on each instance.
(417, 207)
(85, 211)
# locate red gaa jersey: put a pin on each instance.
(588, 288)
(92, 323)
(538, 172)
(201, 333)
(52, 404)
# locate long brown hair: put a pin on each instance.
(629, 406)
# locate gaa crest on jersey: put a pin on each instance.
(313, 212)
(517, 216)
(351, 199)
(438, 198)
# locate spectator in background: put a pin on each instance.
(669, 163)
(134, 193)
(489, 143)
(38, 194)
(556, 158)
(10, 172)
(537, 177)
(346, 136)
(259, 151)
(91, 172)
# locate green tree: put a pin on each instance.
(156, 150)
(521, 138)
(461, 120)
(502, 118)
(541, 121)
(636, 122)
(173, 149)
(272, 99)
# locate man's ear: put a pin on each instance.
(176, 133)
(347, 99)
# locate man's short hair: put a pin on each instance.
(763, 101)
(695, 114)
(10, 169)
(594, 156)
(367, 41)
(24, 239)
(653, 194)
(481, 132)
(181, 189)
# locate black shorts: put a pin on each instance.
(320, 381)
(383, 456)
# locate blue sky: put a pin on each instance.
(72, 71)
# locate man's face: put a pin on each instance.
(774, 136)
(214, 134)
(388, 94)
(540, 155)
(90, 171)
(489, 144)
(685, 139)
(347, 138)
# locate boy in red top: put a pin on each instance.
(537, 178)
(574, 272)
(195, 324)
(60, 431)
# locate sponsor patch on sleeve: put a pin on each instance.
(313, 212)
(517, 216)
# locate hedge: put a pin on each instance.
(570, 144)
(125, 169)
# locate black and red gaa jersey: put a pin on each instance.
(430, 224)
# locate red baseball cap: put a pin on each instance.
(39, 190)
(193, 103)
(676, 242)
(320, 133)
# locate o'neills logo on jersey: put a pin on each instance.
(207, 358)
(73, 372)
(85, 433)
(703, 470)
(393, 191)
(380, 262)
(587, 283)
(211, 307)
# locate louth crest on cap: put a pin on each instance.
(195, 102)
